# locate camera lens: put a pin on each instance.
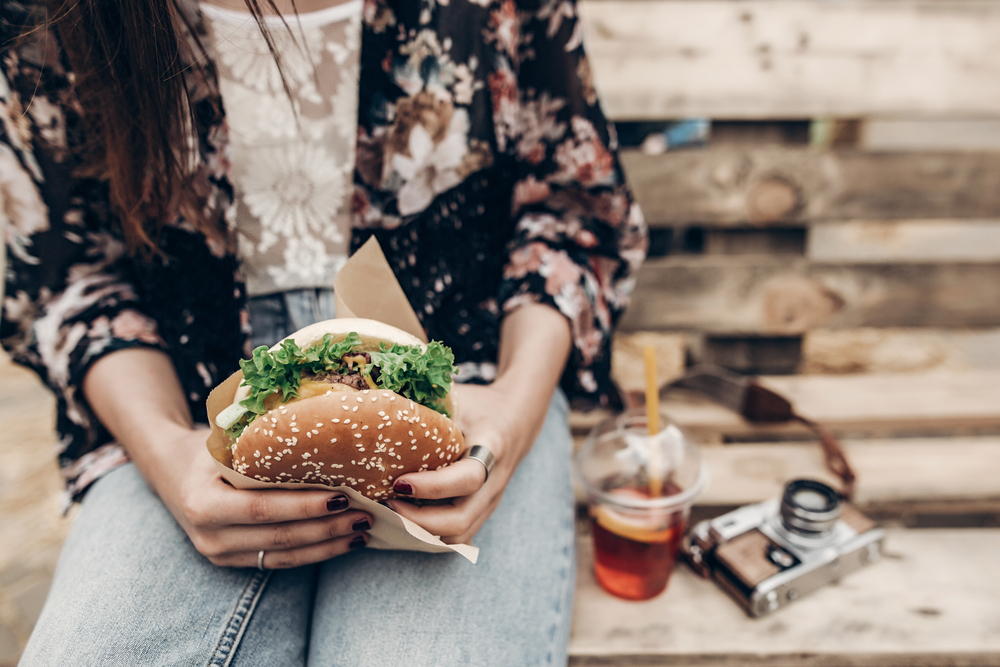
(809, 508)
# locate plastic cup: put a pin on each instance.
(640, 489)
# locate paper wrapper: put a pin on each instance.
(364, 287)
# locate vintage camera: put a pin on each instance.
(769, 554)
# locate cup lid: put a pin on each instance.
(618, 453)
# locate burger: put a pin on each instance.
(345, 402)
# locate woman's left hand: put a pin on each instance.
(505, 416)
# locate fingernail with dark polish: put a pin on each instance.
(403, 488)
(361, 524)
(337, 503)
(356, 543)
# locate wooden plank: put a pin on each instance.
(765, 295)
(934, 600)
(898, 350)
(823, 352)
(794, 58)
(774, 185)
(904, 240)
(890, 403)
(909, 134)
(890, 471)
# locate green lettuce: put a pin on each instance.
(421, 376)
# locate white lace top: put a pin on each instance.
(292, 179)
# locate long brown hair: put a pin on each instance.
(129, 59)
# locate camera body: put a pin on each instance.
(769, 554)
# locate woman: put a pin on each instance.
(482, 164)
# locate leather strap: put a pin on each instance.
(760, 405)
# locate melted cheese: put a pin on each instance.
(308, 389)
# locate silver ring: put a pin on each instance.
(260, 560)
(484, 456)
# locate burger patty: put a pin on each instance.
(351, 379)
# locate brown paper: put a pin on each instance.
(364, 287)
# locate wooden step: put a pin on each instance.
(931, 601)
(952, 402)
(939, 475)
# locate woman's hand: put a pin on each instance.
(137, 396)
(505, 416)
(230, 526)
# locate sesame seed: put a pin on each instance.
(357, 435)
(355, 409)
(360, 400)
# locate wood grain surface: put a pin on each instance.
(779, 295)
(661, 59)
(933, 600)
(722, 185)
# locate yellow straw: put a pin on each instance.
(655, 469)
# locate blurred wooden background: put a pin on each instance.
(838, 232)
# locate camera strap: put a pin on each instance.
(761, 405)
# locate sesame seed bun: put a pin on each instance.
(362, 439)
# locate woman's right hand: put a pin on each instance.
(231, 526)
(136, 394)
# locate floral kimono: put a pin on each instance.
(484, 167)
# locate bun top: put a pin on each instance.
(372, 332)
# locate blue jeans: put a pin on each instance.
(130, 589)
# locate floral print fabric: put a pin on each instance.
(484, 166)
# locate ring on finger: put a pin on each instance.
(482, 454)
(260, 560)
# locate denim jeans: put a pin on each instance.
(130, 589)
(274, 316)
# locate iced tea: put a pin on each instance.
(634, 554)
